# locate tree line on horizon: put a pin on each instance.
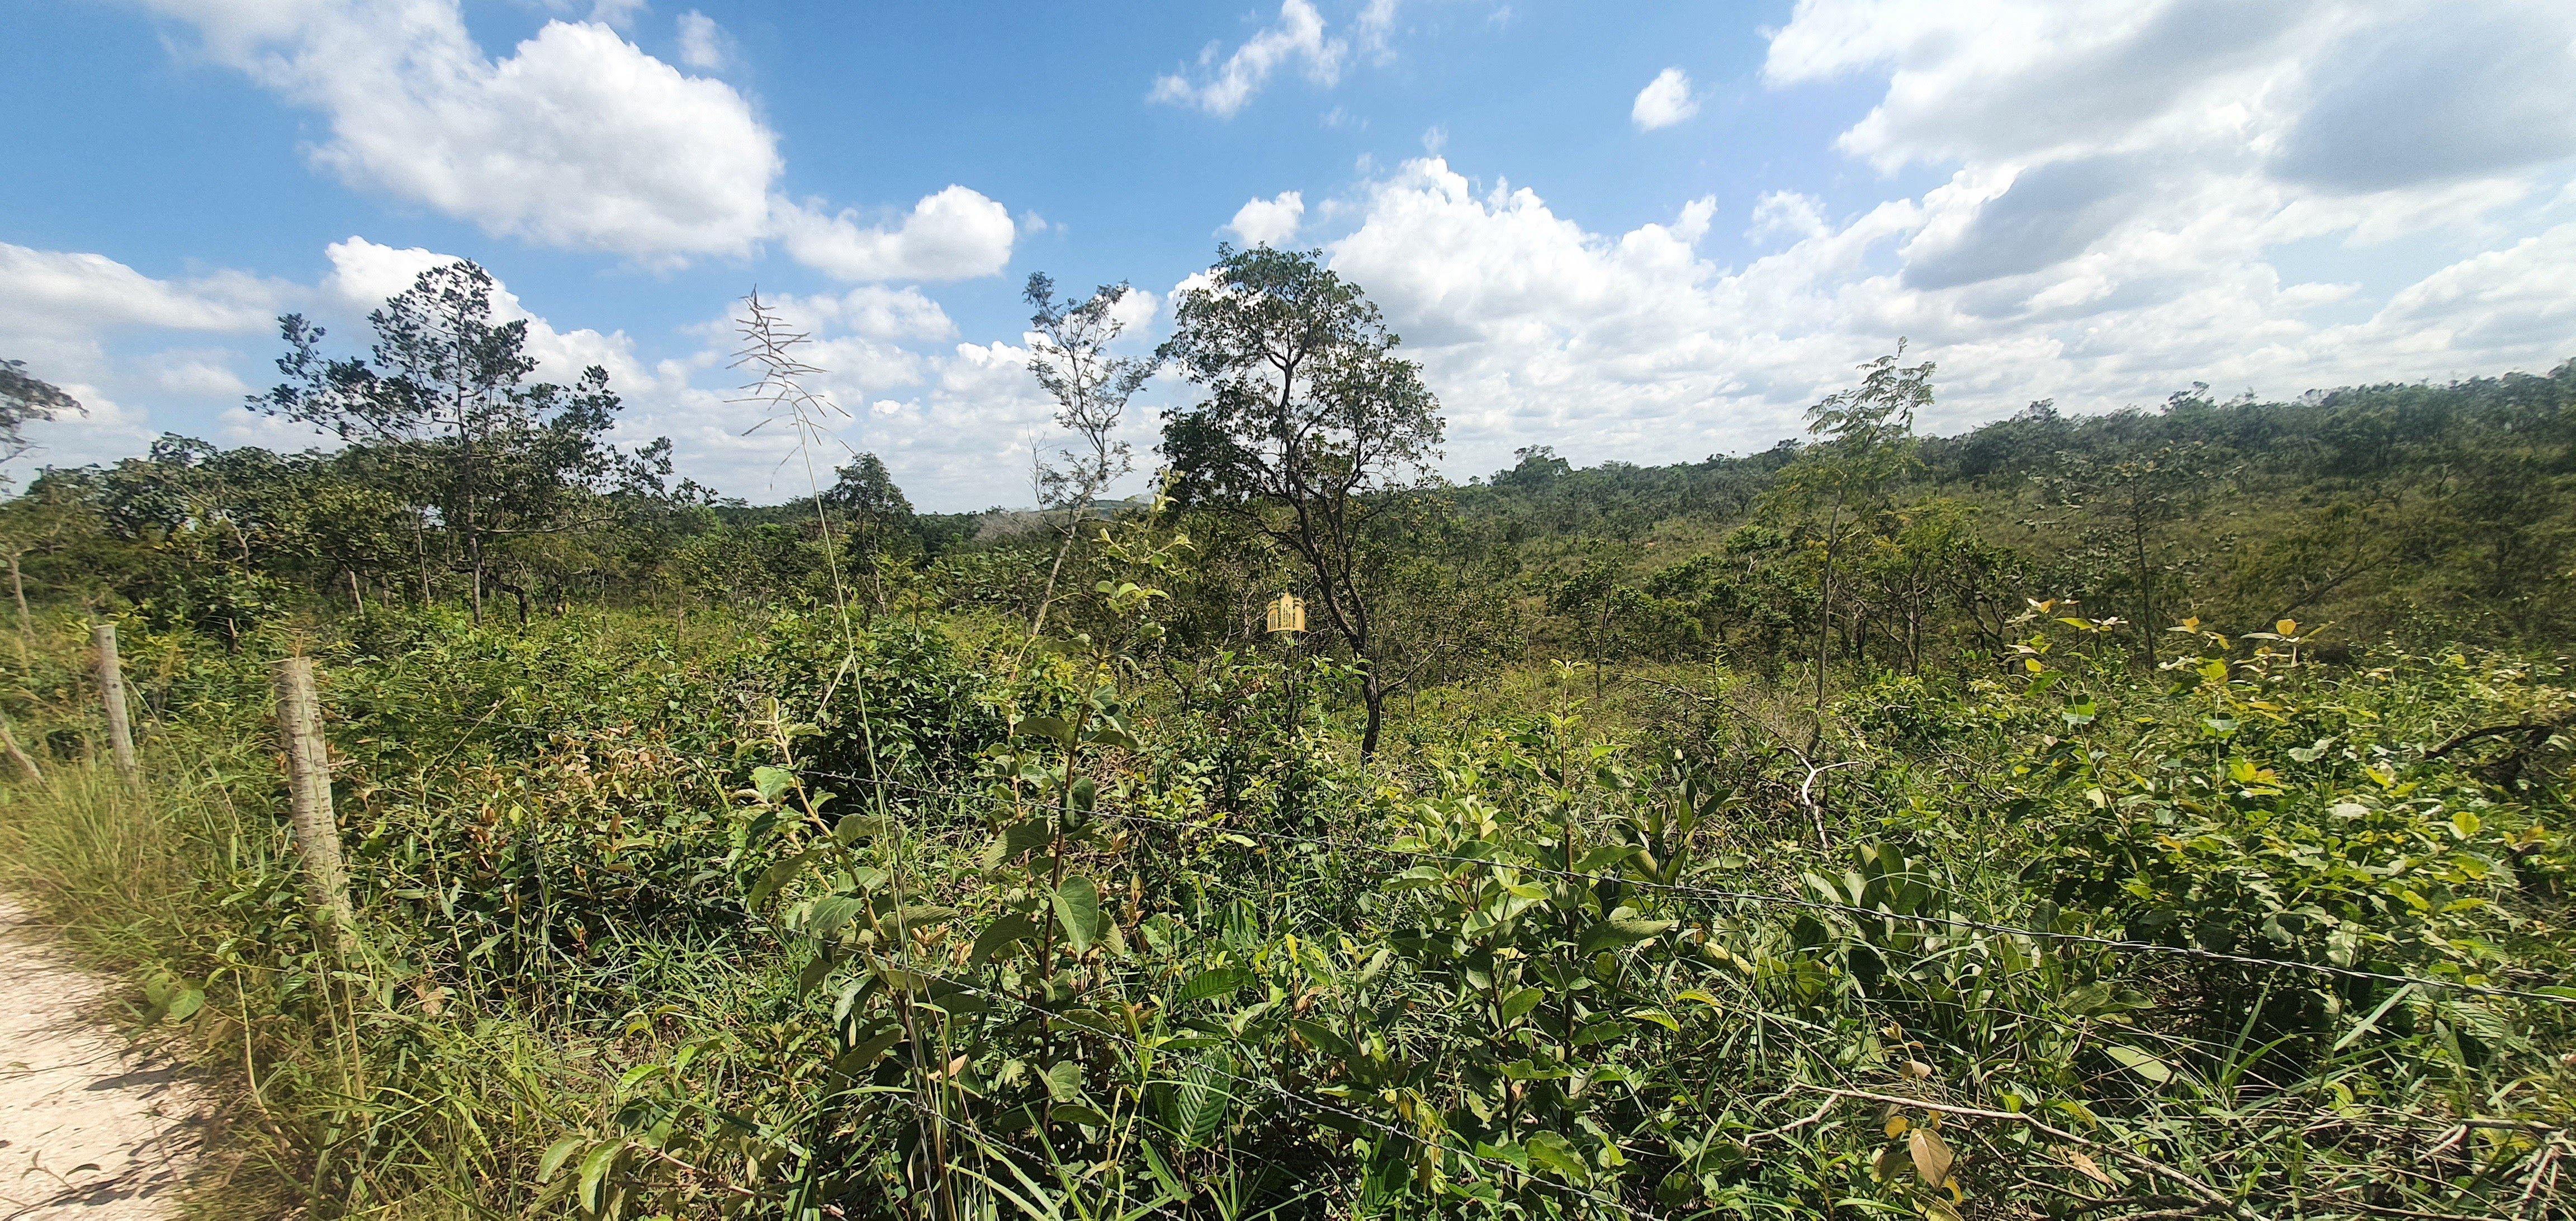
(1306, 466)
(2156, 813)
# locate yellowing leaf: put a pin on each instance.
(1932, 1157)
(2089, 1168)
(1895, 1126)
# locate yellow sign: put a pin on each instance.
(1288, 614)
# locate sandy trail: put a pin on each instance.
(89, 1129)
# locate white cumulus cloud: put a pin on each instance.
(1269, 222)
(1633, 346)
(1787, 213)
(1664, 101)
(1297, 37)
(575, 139)
(48, 293)
(704, 45)
(952, 234)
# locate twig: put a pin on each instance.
(2382, 1210)
(1793, 1125)
(2199, 1190)
(2525, 725)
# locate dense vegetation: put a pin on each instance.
(2153, 814)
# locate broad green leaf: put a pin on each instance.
(1063, 1080)
(779, 875)
(1001, 933)
(1658, 1017)
(1601, 1030)
(831, 912)
(2139, 1062)
(1199, 1104)
(813, 974)
(1324, 1038)
(769, 782)
(594, 1171)
(858, 1059)
(1026, 835)
(1077, 909)
(555, 1155)
(1550, 1152)
(1622, 931)
(1377, 964)
(1521, 1002)
(1051, 728)
(1215, 981)
(1418, 877)
(1076, 1113)
(854, 827)
(1605, 856)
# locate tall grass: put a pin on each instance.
(340, 1086)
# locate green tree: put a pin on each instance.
(23, 399)
(1090, 386)
(447, 386)
(1864, 440)
(865, 494)
(2129, 501)
(1311, 426)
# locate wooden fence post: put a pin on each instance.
(111, 694)
(308, 786)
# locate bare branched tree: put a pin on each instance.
(1072, 362)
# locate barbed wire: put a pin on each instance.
(1045, 1014)
(2121, 945)
(1767, 899)
(1512, 1172)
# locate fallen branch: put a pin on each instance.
(2525, 725)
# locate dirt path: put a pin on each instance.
(89, 1129)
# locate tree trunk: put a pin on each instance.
(1372, 694)
(1825, 617)
(2146, 598)
(473, 530)
(18, 755)
(420, 548)
(26, 628)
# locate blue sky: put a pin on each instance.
(1644, 233)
